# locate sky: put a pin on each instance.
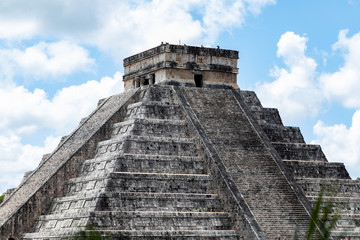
(59, 57)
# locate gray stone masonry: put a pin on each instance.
(33, 197)
(183, 65)
(170, 162)
(147, 180)
(277, 208)
(310, 168)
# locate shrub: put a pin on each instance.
(90, 234)
(2, 197)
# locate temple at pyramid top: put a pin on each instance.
(182, 65)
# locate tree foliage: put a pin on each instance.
(2, 197)
(323, 217)
(90, 234)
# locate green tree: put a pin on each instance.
(90, 234)
(2, 196)
(323, 217)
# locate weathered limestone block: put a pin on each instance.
(186, 65)
(160, 164)
(140, 201)
(316, 169)
(250, 98)
(300, 151)
(284, 134)
(156, 110)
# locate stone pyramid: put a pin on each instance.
(181, 154)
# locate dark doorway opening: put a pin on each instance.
(198, 78)
(153, 76)
(11, 238)
(146, 82)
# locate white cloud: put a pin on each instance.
(132, 28)
(255, 6)
(344, 85)
(33, 113)
(221, 15)
(123, 27)
(45, 60)
(341, 144)
(85, 96)
(29, 111)
(17, 158)
(294, 91)
(147, 24)
(17, 29)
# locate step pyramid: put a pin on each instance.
(310, 168)
(170, 159)
(149, 176)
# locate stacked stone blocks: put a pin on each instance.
(130, 189)
(312, 171)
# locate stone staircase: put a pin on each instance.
(273, 201)
(147, 181)
(310, 168)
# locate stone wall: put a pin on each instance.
(180, 63)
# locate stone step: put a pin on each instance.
(159, 94)
(81, 185)
(159, 164)
(141, 182)
(71, 222)
(135, 220)
(148, 145)
(300, 151)
(318, 169)
(346, 229)
(333, 187)
(159, 182)
(146, 234)
(250, 98)
(158, 220)
(74, 203)
(266, 115)
(120, 162)
(352, 235)
(135, 201)
(351, 219)
(285, 134)
(348, 223)
(152, 127)
(342, 204)
(94, 166)
(155, 110)
(131, 201)
(334, 195)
